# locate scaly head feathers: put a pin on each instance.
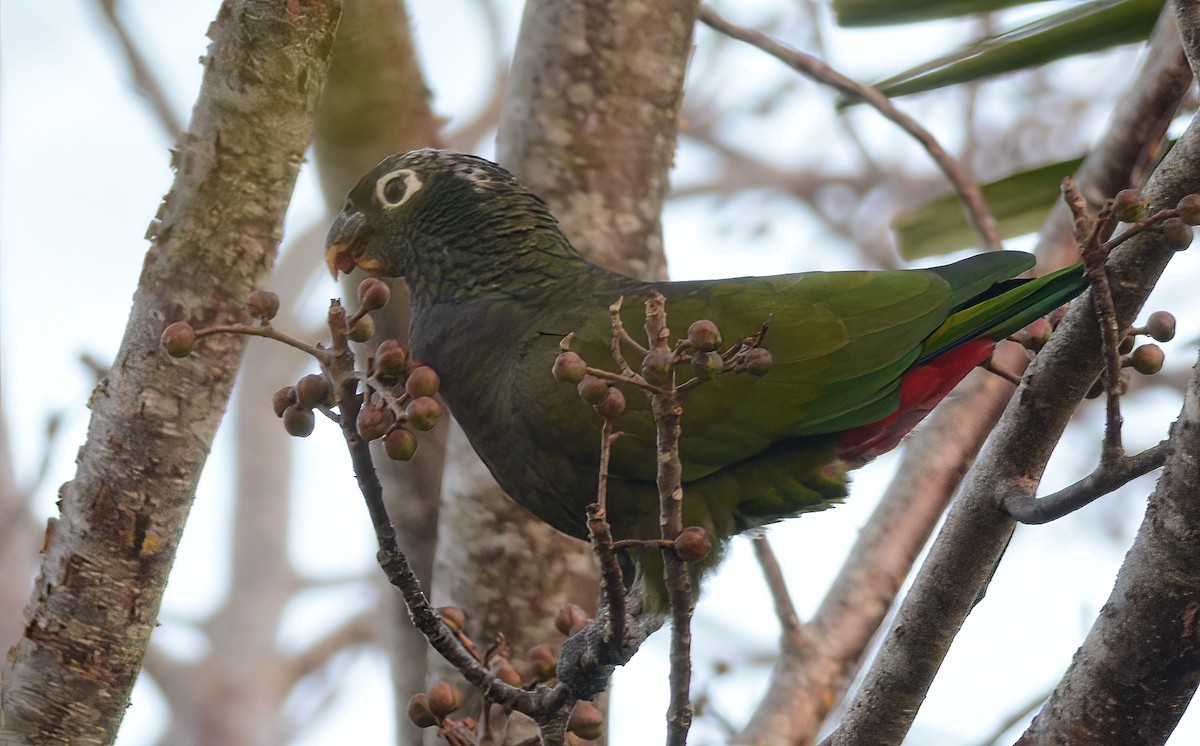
(431, 214)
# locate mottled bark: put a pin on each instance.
(234, 695)
(214, 241)
(591, 116)
(1139, 667)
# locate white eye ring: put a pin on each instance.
(412, 185)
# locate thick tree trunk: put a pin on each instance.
(214, 241)
(1139, 667)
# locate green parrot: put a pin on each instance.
(859, 358)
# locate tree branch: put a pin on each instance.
(1131, 142)
(968, 191)
(612, 586)
(1140, 665)
(668, 410)
(144, 79)
(807, 680)
(107, 558)
(785, 610)
(1108, 476)
(976, 533)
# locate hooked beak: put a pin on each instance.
(342, 241)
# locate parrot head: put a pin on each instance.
(428, 208)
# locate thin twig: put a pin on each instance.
(144, 80)
(990, 366)
(969, 192)
(1088, 234)
(400, 574)
(600, 532)
(785, 610)
(1115, 468)
(1145, 223)
(668, 410)
(1108, 476)
(629, 377)
(1019, 715)
(625, 545)
(543, 705)
(268, 331)
(620, 336)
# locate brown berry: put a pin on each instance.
(453, 617)
(312, 390)
(423, 413)
(1147, 359)
(444, 699)
(509, 675)
(570, 619)
(1189, 209)
(707, 364)
(569, 367)
(593, 389)
(299, 421)
(390, 358)
(263, 304)
(373, 293)
(419, 712)
(586, 721)
(179, 339)
(400, 444)
(1161, 326)
(422, 381)
(613, 404)
(373, 421)
(756, 361)
(282, 399)
(1128, 206)
(1177, 234)
(692, 544)
(656, 367)
(1096, 390)
(704, 336)
(1126, 345)
(362, 330)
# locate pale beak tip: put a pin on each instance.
(338, 259)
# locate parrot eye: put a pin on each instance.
(397, 187)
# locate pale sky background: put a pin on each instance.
(83, 166)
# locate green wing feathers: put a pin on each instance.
(756, 449)
(841, 343)
(1019, 305)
